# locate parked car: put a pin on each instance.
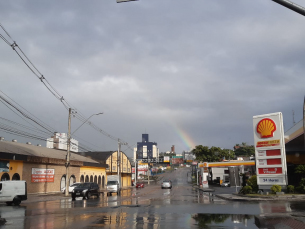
(140, 185)
(225, 184)
(71, 187)
(166, 184)
(86, 190)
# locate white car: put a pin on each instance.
(71, 187)
(225, 184)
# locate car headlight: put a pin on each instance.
(73, 190)
(85, 190)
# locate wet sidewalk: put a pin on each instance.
(237, 197)
(38, 197)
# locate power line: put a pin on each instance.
(45, 82)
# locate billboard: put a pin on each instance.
(166, 159)
(176, 161)
(270, 152)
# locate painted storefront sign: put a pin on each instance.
(42, 175)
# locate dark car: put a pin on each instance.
(86, 190)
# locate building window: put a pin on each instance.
(72, 179)
(95, 179)
(91, 178)
(87, 178)
(63, 182)
(82, 179)
(99, 181)
(103, 182)
(16, 177)
(5, 177)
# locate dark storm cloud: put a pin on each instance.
(205, 67)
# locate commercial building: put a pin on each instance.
(44, 169)
(111, 159)
(146, 149)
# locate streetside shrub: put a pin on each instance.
(276, 188)
(253, 183)
(290, 189)
(246, 190)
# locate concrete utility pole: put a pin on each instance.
(68, 148)
(292, 6)
(119, 160)
(68, 154)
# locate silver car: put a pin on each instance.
(166, 184)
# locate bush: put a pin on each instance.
(290, 189)
(246, 190)
(252, 182)
(276, 188)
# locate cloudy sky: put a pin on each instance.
(185, 72)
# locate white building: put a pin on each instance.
(59, 141)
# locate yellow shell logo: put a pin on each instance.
(266, 128)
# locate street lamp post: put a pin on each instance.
(67, 164)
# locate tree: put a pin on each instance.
(300, 169)
(244, 150)
(213, 154)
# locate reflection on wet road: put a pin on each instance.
(151, 207)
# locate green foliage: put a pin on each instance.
(301, 187)
(213, 154)
(290, 189)
(244, 150)
(252, 181)
(300, 169)
(276, 188)
(246, 190)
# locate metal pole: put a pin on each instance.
(235, 179)
(68, 154)
(292, 6)
(135, 179)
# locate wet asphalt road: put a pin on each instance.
(151, 207)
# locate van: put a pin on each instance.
(113, 185)
(13, 192)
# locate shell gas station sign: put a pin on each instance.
(270, 155)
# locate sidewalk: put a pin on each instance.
(240, 197)
(38, 197)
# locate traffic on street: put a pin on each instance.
(182, 206)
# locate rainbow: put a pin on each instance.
(185, 137)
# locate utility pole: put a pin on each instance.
(68, 154)
(119, 160)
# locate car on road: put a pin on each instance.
(71, 187)
(140, 185)
(86, 190)
(225, 184)
(166, 184)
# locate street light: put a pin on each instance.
(85, 122)
(68, 148)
